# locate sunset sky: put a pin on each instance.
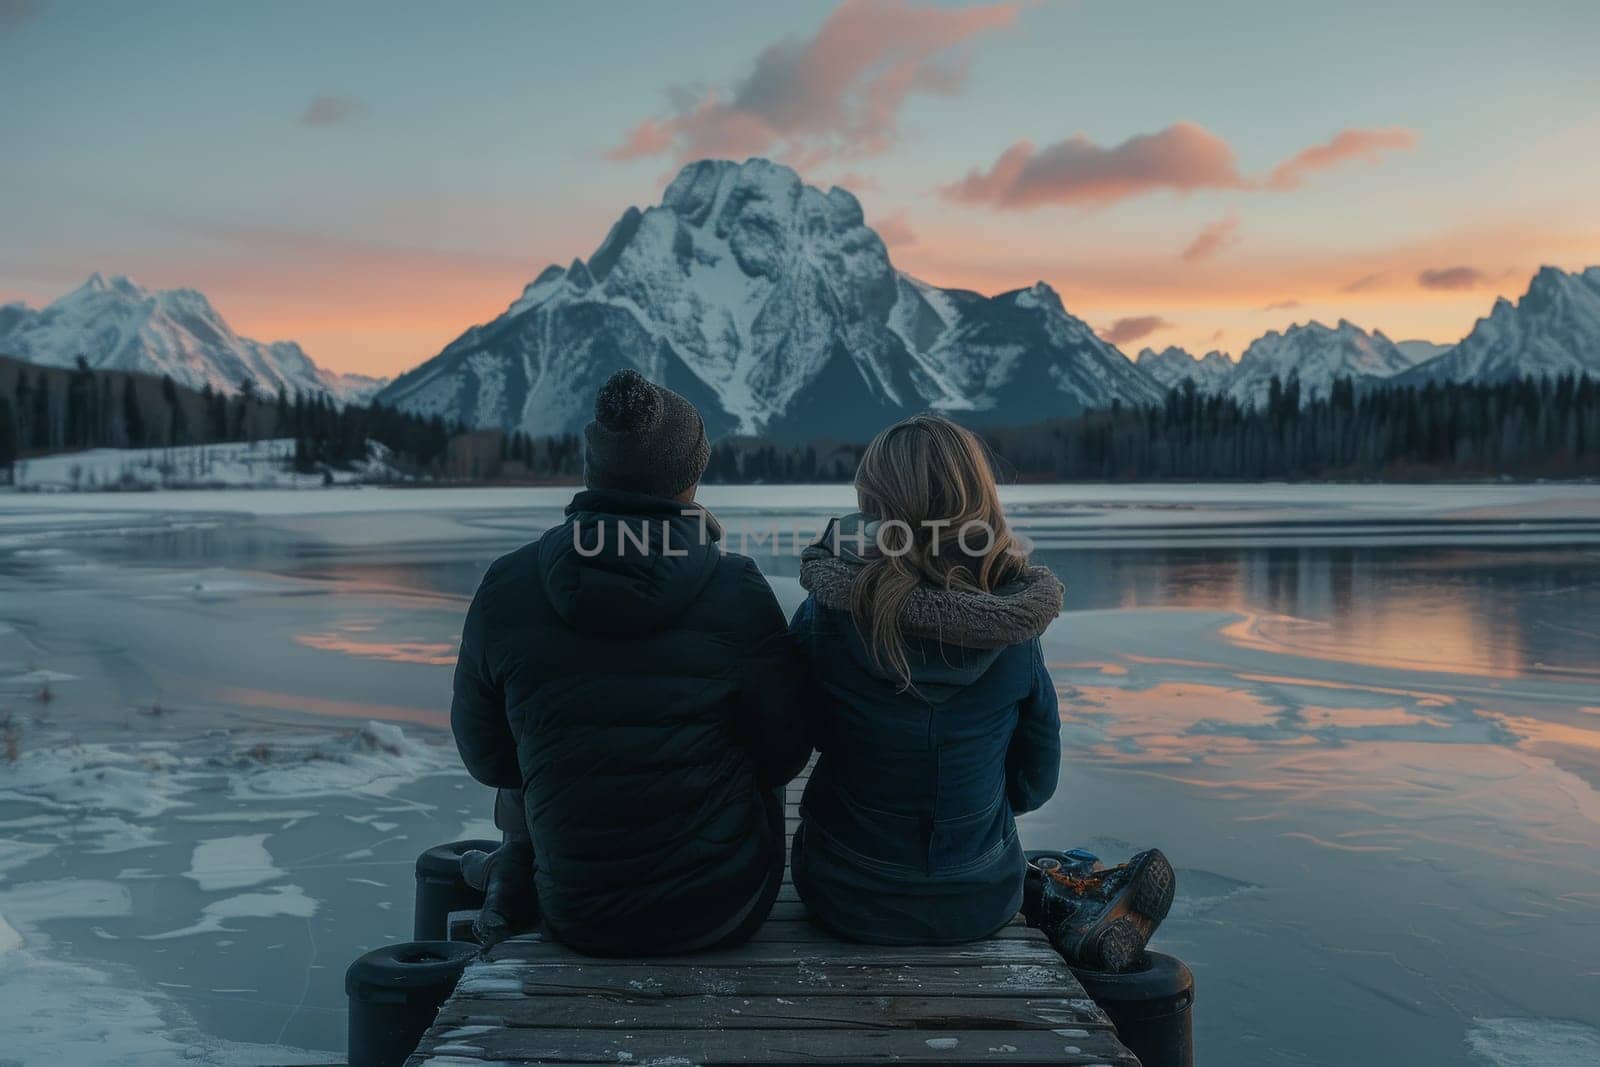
(371, 179)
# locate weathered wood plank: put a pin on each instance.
(792, 910)
(789, 909)
(1026, 949)
(779, 929)
(616, 1010)
(821, 977)
(1067, 1045)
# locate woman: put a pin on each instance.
(938, 719)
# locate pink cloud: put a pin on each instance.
(1126, 331)
(837, 95)
(1212, 239)
(895, 230)
(1366, 145)
(1181, 158)
(1281, 305)
(1451, 278)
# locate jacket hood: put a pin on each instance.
(970, 620)
(627, 563)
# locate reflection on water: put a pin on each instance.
(1505, 612)
(437, 653)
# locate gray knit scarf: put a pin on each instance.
(1007, 616)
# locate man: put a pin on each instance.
(640, 689)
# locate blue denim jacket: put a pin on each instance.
(907, 835)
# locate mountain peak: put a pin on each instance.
(119, 284)
(1316, 356)
(706, 184)
(1171, 352)
(1172, 366)
(1040, 295)
(118, 325)
(1553, 329)
(774, 307)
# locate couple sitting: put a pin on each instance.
(640, 702)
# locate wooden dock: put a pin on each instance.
(792, 995)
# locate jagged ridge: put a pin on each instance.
(115, 324)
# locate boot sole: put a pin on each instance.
(1118, 938)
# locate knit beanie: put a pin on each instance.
(644, 438)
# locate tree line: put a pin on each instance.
(59, 409)
(1528, 428)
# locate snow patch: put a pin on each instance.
(257, 464)
(232, 863)
(26, 905)
(143, 779)
(1520, 1042)
(375, 759)
(284, 901)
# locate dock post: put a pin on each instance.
(1152, 1007)
(394, 993)
(441, 889)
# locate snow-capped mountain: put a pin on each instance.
(775, 309)
(1316, 355)
(1172, 366)
(1419, 351)
(117, 325)
(1554, 329)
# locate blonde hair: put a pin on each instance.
(929, 484)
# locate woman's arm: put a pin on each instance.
(1033, 760)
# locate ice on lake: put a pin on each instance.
(1363, 721)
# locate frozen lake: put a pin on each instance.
(1364, 722)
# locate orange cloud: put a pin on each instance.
(1451, 278)
(836, 95)
(1212, 239)
(1365, 283)
(1181, 158)
(1366, 145)
(1281, 305)
(1126, 331)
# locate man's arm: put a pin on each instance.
(775, 684)
(1033, 761)
(478, 708)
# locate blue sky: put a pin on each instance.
(457, 150)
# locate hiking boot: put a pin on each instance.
(1045, 862)
(510, 904)
(1103, 920)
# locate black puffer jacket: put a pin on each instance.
(644, 700)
